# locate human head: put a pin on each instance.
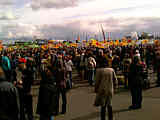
(90, 54)
(137, 52)
(101, 52)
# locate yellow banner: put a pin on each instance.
(111, 43)
(73, 45)
(94, 44)
(156, 42)
(144, 41)
(94, 41)
(44, 47)
(116, 42)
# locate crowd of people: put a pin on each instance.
(20, 67)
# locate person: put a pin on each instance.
(9, 99)
(19, 85)
(150, 55)
(135, 82)
(106, 80)
(116, 62)
(157, 66)
(6, 65)
(137, 53)
(13, 70)
(109, 57)
(126, 65)
(27, 78)
(82, 65)
(101, 59)
(69, 66)
(91, 68)
(146, 83)
(47, 99)
(61, 83)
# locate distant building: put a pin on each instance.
(41, 41)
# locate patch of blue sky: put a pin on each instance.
(21, 3)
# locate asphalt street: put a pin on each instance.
(80, 102)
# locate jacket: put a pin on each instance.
(60, 74)
(47, 99)
(6, 65)
(105, 81)
(136, 75)
(9, 101)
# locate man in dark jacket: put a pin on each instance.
(9, 100)
(47, 100)
(28, 77)
(135, 82)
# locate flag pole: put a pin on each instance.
(103, 33)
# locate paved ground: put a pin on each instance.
(81, 99)
(80, 105)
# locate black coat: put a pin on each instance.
(48, 99)
(136, 75)
(101, 62)
(28, 77)
(9, 101)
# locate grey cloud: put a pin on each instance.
(61, 31)
(72, 29)
(18, 31)
(8, 17)
(107, 22)
(128, 24)
(6, 2)
(110, 25)
(147, 24)
(57, 4)
(144, 24)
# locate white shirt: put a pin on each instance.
(69, 65)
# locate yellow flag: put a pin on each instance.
(111, 43)
(156, 42)
(73, 45)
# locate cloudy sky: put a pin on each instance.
(65, 19)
